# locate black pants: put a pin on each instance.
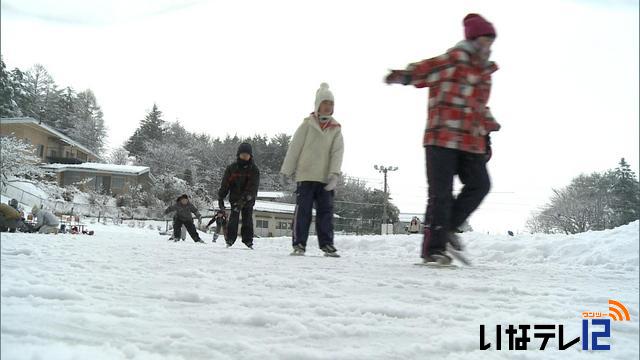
(308, 193)
(191, 229)
(444, 212)
(247, 225)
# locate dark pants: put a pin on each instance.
(247, 225)
(308, 193)
(444, 212)
(191, 229)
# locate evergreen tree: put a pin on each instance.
(40, 90)
(65, 105)
(8, 104)
(89, 128)
(626, 192)
(591, 202)
(152, 128)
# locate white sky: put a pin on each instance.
(566, 94)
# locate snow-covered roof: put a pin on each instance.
(63, 137)
(275, 207)
(98, 167)
(272, 207)
(271, 194)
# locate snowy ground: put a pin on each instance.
(127, 293)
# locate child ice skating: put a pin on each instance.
(183, 209)
(241, 181)
(456, 138)
(220, 219)
(314, 158)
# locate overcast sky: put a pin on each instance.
(566, 93)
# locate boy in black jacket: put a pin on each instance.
(183, 209)
(241, 181)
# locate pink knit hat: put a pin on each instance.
(475, 26)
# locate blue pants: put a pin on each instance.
(308, 193)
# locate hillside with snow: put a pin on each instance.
(127, 293)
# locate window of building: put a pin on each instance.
(41, 151)
(283, 225)
(117, 182)
(262, 224)
(73, 178)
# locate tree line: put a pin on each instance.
(597, 201)
(182, 161)
(34, 93)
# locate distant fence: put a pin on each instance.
(341, 225)
(70, 208)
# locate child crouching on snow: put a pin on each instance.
(183, 210)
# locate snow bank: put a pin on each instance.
(127, 293)
(613, 249)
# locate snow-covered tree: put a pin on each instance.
(167, 188)
(166, 158)
(626, 191)
(65, 107)
(89, 127)
(34, 93)
(8, 87)
(18, 158)
(120, 156)
(591, 202)
(152, 128)
(40, 92)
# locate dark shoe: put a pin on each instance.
(328, 249)
(437, 257)
(332, 254)
(298, 250)
(454, 241)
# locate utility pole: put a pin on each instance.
(385, 170)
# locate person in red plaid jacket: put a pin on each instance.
(457, 135)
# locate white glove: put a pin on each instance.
(332, 182)
(283, 180)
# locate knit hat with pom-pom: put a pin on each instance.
(323, 94)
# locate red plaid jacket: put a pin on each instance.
(460, 86)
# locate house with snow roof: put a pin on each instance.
(102, 178)
(71, 162)
(52, 146)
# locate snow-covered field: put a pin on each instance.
(127, 293)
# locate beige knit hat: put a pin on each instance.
(323, 94)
